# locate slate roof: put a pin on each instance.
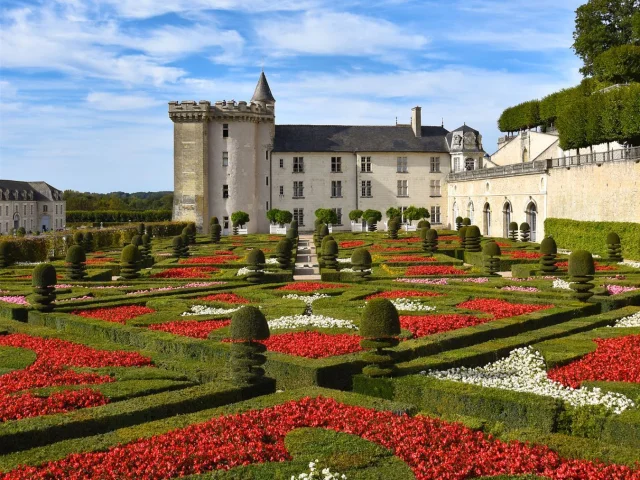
(464, 129)
(350, 138)
(262, 92)
(12, 185)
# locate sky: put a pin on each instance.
(84, 84)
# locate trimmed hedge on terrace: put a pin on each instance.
(111, 216)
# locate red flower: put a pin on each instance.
(423, 325)
(310, 286)
(379, 248)
(313, 344)
(100, 261)
(501, 308)
(449, 238)
(599, 267)
(433, 270)
(352, 244)
(411, 258)
(432, 448)
(407, 240)
(522, 254)
(404, 294)
(225, 298)
(191, 328)
(216, 260)
(115, 314)
(193, 272)
(615, 360)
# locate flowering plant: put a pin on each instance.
(310, 286)
(216, 260)
(192, 272)
(411, 258)
(225, 298)
(517, 288)
(168, 288)
(15, 299)
(205, 310)
(308, 299)
(523, 254)
(314, 474)
(629, 321)
(309, 321)
(191, 328)
(403, 294)
(423, 281)
(407, 305)
(433, 270)
(501, 308)
(599, 266)
(617, 289)
(423, 325)
(351, 244)
(115, 314)
(313, 344)
(100, 260)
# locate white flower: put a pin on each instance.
(409, 305)
(561, 284)
(313, 321)
(630, 321)
(272, 261)
(344, 260)
(630, 263)
(524, 371)
(308, 299)
(314, 474)
(351, 270)
(205, 310)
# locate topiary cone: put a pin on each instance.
(458, 223)
(185, 245)
(549, 251)
(472, 239)
(283, 253)
(330, 255)
(176, 244)
(581, 269)
(216, 232)
(614, 247)
(392, 228)
(525, 232)
(513, 231)
(248, 325)
(76, 263)
(78, 238)
(43, 280)
(361, 263)
(490, 252)
(256, 261)
(130, 262)
(87, 242)
(379, 329)
(462, 233)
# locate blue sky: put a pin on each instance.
(84, 85)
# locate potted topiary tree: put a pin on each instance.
(238, 219)
(76, 263)
(43, 280)
(283, 217)
(379, 329)
(5, 254)
(271, 215)
(88, 242)
(248, 327)
(430, 241)
(491, 252)
(472, 239)
(513, 231)
(256, 263)
(355, 216)
(581, 270)
(549, 250)
(614, 247)
(458, 223)
(130, 262)
(176, 244)
(525, 232)
(283, 253)
(372, 217)
(361, 263)
(330, 255)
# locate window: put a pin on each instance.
(225, 223)
(435, 214)
(267, 179)
(336, 188)
(366, 188)
(298, 189)
(336, 164)
(469, 164)
(456, 164)
(365, 164)
(435, 164)
(281, 189)
(403, 188)
(16, 208)
(402, 165)
(225, 191)
(267, 206)
(225, 130)
(338, 214)
(298, 164)
(435, 188)
(56, 223)
(282, 163)
(298, 216)
(32, 209)
(266, 154)
(225, 159)
(24, 209)
(6, 210)
(45, 208)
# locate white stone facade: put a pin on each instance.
(34, 206)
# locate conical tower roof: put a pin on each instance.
(263, 92)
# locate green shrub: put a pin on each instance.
(459, 222)
(619, 64)
(581, 269)
(520, 117)
(247, 355)
(191, 231)
(176, 244)
(292, 234)
(423, 224)
(293, 226)
(361, 263)
(355, 215)
(379, 329)
(146, 249)
(136, 240)
(214, 221)
(283, 217)
(330, 255)
(462, 233)
(215, 232)
(525, 232)
(513, 231)
(324, 241)
(466, 221)
(78, 238)
(88, 242)
(141, 229)
(491, 252)
(472, 239)
(21, 232)
(430, 241)
(393, 226)
(238, 220)
(43, 280)
(5, 254)
(614, 247)
(185, 245)
(256, 263)
(549, 250)
(130, 258)
(76, 262)
(283, 253)
(372, 217)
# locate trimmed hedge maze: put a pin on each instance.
(454, 371)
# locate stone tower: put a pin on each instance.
(222, 157)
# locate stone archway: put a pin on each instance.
(470, 211)
(525, 155)
(456, 213)
(532, 218)
(507, 209)
(486, 216)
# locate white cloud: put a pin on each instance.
(521, 40)
(113, 102)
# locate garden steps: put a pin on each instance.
(306, 266)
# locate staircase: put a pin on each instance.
(306, 267)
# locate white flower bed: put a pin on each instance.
(561, 284)
(524, 371)
(204, 310)
(313, 321)
(28, 264)
(308, 299)
(272, 261)
(630, 321)
(351, 270)
(314, 473)
(245, 271)
(409, 305)
(564, 251)
(423, 281)
(630, 263)
(344, 260)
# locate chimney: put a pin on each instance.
(416, 121)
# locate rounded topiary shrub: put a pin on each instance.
(462, 234)
(466, 221)
(136, 240)
(5, 254)
(248, 326)
(430, 241)
(130, 258)
(88, 242)
(292, 232)
(283, 253)
(43, 280)
(379, 329)
(549, 251)
(393, 226)
(191, 231)
(76, 262)
(256, 263)
(614, 247)
(330, 255)
(525, 232)
(423, 224)
(185, 245)
(361, 263)
(581, 270)
(324, 242)
(491, 252)
(215, 232)
(21, 232)
(78, 238)
(185, 234)
(214, 221)
(472, 239)
(459, 223)
(513, 231)
(176, 245)
(146, 250)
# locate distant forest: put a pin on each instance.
(120, 201)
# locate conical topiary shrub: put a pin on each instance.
(466, 221)
(87, 242)
(422, 233)
(141, 229)
(379, 329)
(136, 240)
(513, 231)
(191, 231)
(216, 232)
(525, 232)
(130, 262)
(324, 241)
(248, 326)
(549, 251)
(185, 235)
(43, 280)
(256, 263)
(393, 226)
(176, 244)
(76, 263)
(472, 239)
(491, 252)
(5, 254)
(78, 239)
(361, 263)
(323, 231)
(330, 255)
(581, 270)
(458, 223)
(614, 247)
(462, 234)
(146, 250)
(283, 253)
(185, 245)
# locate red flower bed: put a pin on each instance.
(100, 261)
(615, 360)
(411, 258)
(193, 272)
(224, 252)
(352, 244)
(216, 260)
(406, 240)
(599, 267)
(225, 298)
(313, 344)
(191, 328)
(310, 286)
(504, 244)
(523, 254)
(433, 270)
(115, 314)
(379, 248)
(423, 325)
(50, 370)
(404, 294)
(449, 238)
(500, 308)
(432, 448)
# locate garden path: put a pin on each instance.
(306, 267)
